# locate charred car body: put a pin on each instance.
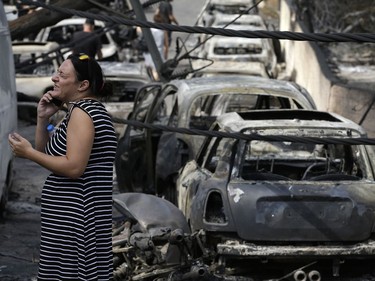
(126, 78)
(153, 242)
(222, 48)
(237, 19)
(193, 104)
(63, 31)
(283, 209)
(35, 64)
(214, 9)
(217, 68)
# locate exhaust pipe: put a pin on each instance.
(196, 272)
(314, 275)
(300, 275)
(177, 236)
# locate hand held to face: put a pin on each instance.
(47, 106)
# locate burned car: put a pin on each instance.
(152, 242)
(62, 33)
(214, 9)
(222, 48)
(217, 68)
(281, 202)
(147, 160)
(237, 19)
(35, 64)
(126, 78)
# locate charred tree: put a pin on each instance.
(341, 16)
(34, 21)
(40, 18)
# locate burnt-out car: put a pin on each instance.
(217, 68)
(126, 78)
(213, 9)
(223, 48)
(278, 202)
(237, 19)
(62, 34)
(35, 64)
(148, 160)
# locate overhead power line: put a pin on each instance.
(282, 35)
(242, 136)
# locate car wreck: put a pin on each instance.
(191, 104)
(221, 48)
(259, 206)
(149, 242)
(204, 69)
(275, 209)
(126, 78)
(214, 9)
(35, 64)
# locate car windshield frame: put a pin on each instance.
(303, 161)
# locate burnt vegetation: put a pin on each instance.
(341, 16)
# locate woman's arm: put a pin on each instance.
(41, 134)
(80, 138)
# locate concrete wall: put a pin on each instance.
(306, 65)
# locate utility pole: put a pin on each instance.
(156, 57)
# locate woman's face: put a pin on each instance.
(66, 85)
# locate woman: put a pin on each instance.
(166, 10)
(161, 41)
(76, 207)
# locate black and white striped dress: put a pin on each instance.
(76, 214)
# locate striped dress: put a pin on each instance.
(76, 214)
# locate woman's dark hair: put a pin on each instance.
(158, 18)
(88, 69)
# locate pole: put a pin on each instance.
(156, 57)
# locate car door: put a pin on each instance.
(159, 114)
(175, 148)
(130, 160)
(135, 160)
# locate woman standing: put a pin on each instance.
(161, 41)
(76, 207)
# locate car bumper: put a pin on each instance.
(234, 248)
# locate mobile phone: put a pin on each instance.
(57, 102)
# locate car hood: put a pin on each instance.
(285, 211)
(32, 85)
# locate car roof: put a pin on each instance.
(190, 88)
(231, 2)
(224, 40)
(34, 47)
(277, 121)
(232, 67)
(123, 69)
(245, 19)
(77, 21)
(244, 27)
